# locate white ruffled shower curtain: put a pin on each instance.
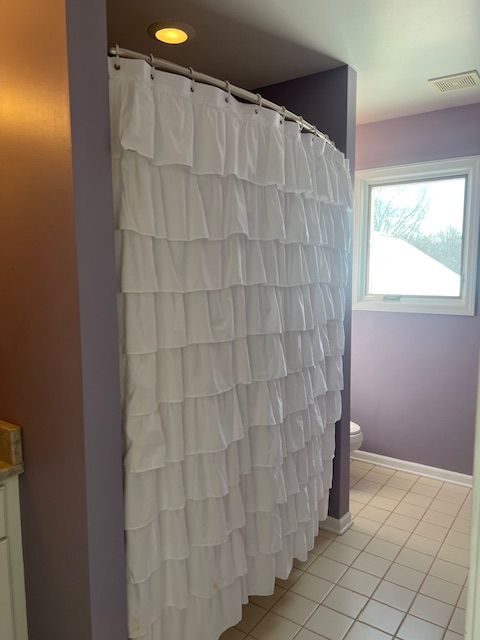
(232, 233)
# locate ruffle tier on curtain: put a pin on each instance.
(232, 236)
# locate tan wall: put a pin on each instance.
(44, 383)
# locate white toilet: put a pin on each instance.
(356, 437)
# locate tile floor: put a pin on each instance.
(399, 572)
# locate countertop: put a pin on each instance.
(11, 456)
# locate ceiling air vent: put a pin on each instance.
(465, 80)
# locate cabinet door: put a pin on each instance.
(6, 617)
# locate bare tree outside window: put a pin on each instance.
(392, 217)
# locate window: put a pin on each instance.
(416, 237)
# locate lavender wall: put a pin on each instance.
(328, 100)
(414, 375)
(95, 262)
(58, 351)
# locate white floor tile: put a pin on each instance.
(431, 610)
(355, 507)
(251, 616)
(355, 539)
(402, 522)
(429, 530)
(410, 510)
(406, 475)
(329, 623)
(430, 482)
(267, 602)
(465, 512)
(461, 525)
(367, 487)
(361, 631)
(376, 476)
(392, 493)
(321, 543)
(371, 564)
(444, 506)
(416, 629)
(345, 601)
(453, 492)
(392, 534)
(312, 587)
(232, 634)
(394, 595)
(359, 581)
(341, 553)
(454, 554)
(457, 622)
(293, 577)
(462, 601)
(311, 557)
(374, 513)
(448, 571)
(361, 467)
(327, 569)
(418, 499)
(360, 496)
(450, 635)
(383, 503)
(422, 544)
(381, 616)
(295, 607)
(306, 634)
(424, 490)
(399, 483)
(441, 589)
(405, 577)
(329, 535)
(382, 548)
(414, 560)
(387, 472)
(441, 519)
(366, 526)
(273, 627)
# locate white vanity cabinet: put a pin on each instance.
(6, 599)
(13, 623)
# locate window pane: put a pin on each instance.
(416, 237)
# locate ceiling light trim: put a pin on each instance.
(171, 24)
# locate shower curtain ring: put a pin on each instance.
(259, 102)
(192, 78)
(284, 114)
(117, 57)
(302, 124)
(152, 64)
(228, 90)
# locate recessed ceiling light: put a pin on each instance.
(171, 32)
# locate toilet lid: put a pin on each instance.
(354, 428)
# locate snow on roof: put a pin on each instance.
(398, 268)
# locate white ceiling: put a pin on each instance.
(395, 45)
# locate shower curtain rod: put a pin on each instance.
(160, 63)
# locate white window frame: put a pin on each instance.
(463, 305)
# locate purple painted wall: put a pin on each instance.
(328, 100)
(59, 375)
(414, 375)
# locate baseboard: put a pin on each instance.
(413, 467)
(337, 525)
